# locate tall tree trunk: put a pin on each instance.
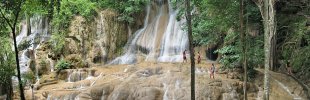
(21, 89)
(190, 39)
(269, 32)
(267, 51)
(242, 32)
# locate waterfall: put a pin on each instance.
(161, 38)
(38, 34)
(130, 57)
(175, 40)
(22, 34)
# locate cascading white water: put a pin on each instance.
(161, 37)
(174, 41)
(38, 34)
(23, 62)
(22, 34)
(130, 55)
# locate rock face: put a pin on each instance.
(104, 39)
(160, 81)
(142, 82)
(111, 36)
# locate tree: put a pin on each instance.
(10, 10)
(243, 46)
(267, 10)
(191, 49)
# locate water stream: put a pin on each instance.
(160, 39)
(38, 34)
(130, 55)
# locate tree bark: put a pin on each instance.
(190, 39)
(269, 32)
(243, 46)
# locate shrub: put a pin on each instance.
(28, 77)
(62, 64)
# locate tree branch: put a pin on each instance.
(6, 20)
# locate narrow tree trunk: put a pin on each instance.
(21, 89)
(243, 49)
(28, 24)
(190, 39)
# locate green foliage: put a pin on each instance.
(28, 77)
(126, 8)
(62, 64)
(295, 39)
(7, 61)
(32, 7)
(215, 18)
(42, 63)
(58, 42)
(255, 51)
(24, 45)
(70, 8)
(231, 56)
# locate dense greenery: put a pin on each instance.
(57, 43)
(70, 8)
(7, 65)
(126, 8)
(62, 64)
(217, 23)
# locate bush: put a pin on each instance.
(57, 42)
(28, 77)
(62, 64)
(42, 63)
(24, 45)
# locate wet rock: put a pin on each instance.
(43, 67)
(149, 72)
(77, 75)
(148, 93)
(71, 46)
(75, 60)
(130, 69)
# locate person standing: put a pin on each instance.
(184, 56)
(289, 69)
(212, 70)
(198, 58)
